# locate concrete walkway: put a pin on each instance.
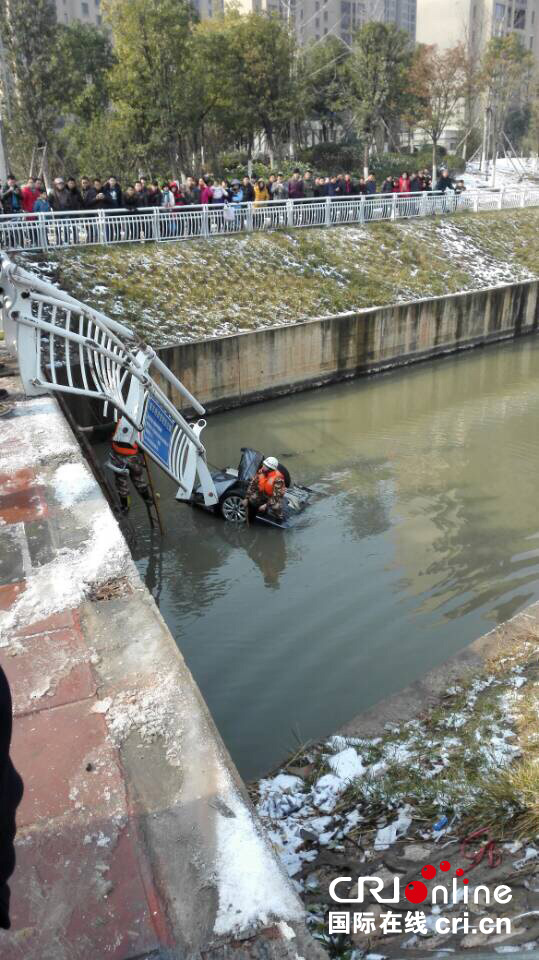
(135, 835)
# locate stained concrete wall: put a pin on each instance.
(231, 371)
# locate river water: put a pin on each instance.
(424, 534)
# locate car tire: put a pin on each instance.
(233, 508)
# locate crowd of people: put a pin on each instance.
(93, 195)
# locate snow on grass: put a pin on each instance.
(181, 292)
(510, 172)
(457, 761)
(484, 268)
(346, 764)
(387, 835)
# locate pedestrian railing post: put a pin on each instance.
(249, 217)
(394, 206)
(328, 212)
(205, 221)
(155, 224)
(523, 198)
(290, 213)
(102, 227)
(42, 228)
(476, 203)
(500, 199)
(423, 204)
(362, 208)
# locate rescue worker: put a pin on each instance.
(127, 461)
(265, 493)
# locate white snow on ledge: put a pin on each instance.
(38, 437)
(252, 887)
(65, 581)
(46, 436)
(73, 482)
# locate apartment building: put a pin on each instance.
(448, 22)
(87, 11)
(313, 20)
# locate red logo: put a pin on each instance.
(417, 892)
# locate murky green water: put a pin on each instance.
(425, 536)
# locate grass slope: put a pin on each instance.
(183, 291)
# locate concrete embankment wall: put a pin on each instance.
(134, 822)
(240, 369)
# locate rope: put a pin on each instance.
(489, 849)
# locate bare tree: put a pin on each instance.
(505, 71)
(437, 86)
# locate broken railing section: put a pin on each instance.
(65, 346)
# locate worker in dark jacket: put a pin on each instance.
(295, 186)
(113, 194)
(445, 182)
(114, 198)
(12, 197)
(75, 197)
(11, 791)
(88, 194)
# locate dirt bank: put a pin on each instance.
(405, 784)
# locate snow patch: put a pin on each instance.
(252, 891)
(73, 482)
(346, 764)
(65, 581)
(386, 836)
(47, 436)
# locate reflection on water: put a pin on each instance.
(424, 534)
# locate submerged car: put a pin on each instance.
(231, 486)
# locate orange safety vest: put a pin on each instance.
(122, 447)
(266, 481)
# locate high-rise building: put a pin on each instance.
(87, 11)
(315, 19)
(473, 22)
(446, 23)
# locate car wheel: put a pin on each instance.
(233, 508)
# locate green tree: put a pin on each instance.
(378, 73)
(263, 72)
(322, 78)
(150, 81)
(83, 60)
(29, 36)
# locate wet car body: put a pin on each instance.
(231, 486)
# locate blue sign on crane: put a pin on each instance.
(158, 429)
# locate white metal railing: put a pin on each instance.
(43, 231)
(65, 346)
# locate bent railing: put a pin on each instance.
(44, 231)
(65, 346)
